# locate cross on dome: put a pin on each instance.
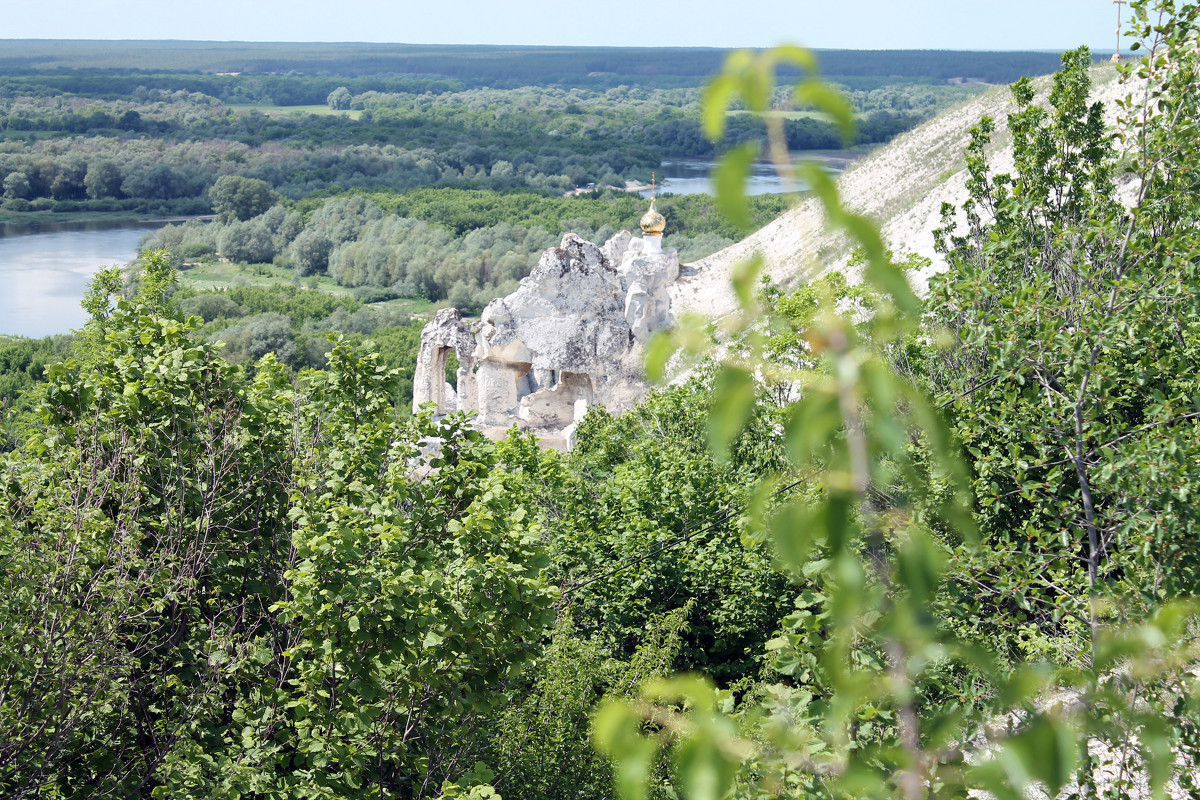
(653, 223)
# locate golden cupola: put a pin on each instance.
(653, 223)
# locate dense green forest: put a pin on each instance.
(119, 138)
(161, 151)
(873, 546)
(255, 63)
(462, 246)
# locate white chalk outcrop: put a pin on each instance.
(448, 332)
(570, 336)
(901, 186)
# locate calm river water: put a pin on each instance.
(692, 176)
(45, 268)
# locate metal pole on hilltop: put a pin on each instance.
(1117, 52)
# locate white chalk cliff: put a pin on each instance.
(901, 186)
(570, 336)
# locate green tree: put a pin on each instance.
(339, 99)
(222, 583)
(103, 179)
(310, 252)
(880, 696)
(535, 743)
(1076, 321)
(251, 242)
(122, 562)
(254, 337)
(236, 198)
(17, 186)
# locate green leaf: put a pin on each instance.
(793, 54)
(733, 402)
(616, 733)
(822, 185)
(659, 350)
(920, 569)
(1047, 751)
(1155, 739)
(704, 770)
(825, 98)
(744, 277)
(718, 96)
(813, 423)
(730, 178)
(792, 531)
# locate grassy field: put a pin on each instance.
(286, 111)
(414, 306)
(218, 275)
(210, 275)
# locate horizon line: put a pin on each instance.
(815, 48)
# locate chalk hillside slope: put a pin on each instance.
(901, 186)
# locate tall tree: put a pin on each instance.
(220, 583)
(236, 198)
(1077, 318)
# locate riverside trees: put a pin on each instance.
(465, 246)
(220, 583)
(288, 616)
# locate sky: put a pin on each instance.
(854, 24)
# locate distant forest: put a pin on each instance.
(82, 130)
(403, 171)
(415, 66)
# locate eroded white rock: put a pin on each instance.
(571, 335)
(448, 331)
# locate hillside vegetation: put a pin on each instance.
(86, 126)
(902, 186)
(875, 546)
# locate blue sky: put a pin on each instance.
(902, 24)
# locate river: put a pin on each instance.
(693, 176)
(45, 269)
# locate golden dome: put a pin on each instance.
(653, 222)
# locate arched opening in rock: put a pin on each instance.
(579, 384)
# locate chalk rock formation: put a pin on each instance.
(647, 273)
(570, 336)
(902, 186)
(447, 332)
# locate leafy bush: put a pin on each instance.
(211, 306)
(170, 542)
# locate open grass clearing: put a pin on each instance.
(217, 275)
(272, 110)
(210, 276)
